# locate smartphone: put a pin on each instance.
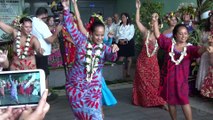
(20, 88)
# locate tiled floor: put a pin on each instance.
(124, 110)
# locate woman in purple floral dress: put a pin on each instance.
(83, 85)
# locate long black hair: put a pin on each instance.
(95, 25)
(41, 11)
(127, 17)
(208, 24)
(24, 19)
(94, 21)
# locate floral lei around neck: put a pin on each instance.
(188, 25)
(92, 61)
(172, 54)
(147, 46)
(18, 46)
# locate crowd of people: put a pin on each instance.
(89, 46)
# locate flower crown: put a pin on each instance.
(92, 20)
(98, 16)
(187, 8)
(53, 3)
(210, 13)
(16, 22)
(169, 16)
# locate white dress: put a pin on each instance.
(204, 63)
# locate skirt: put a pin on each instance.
(107, 97)
(127, 50)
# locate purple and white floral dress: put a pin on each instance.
(85, 97)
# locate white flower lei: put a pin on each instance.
(26, 48)
(172, 54)
(92, 61)
(189, 25)
(147, 46)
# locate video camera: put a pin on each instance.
(57, 9)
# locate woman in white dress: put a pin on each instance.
(204, 60)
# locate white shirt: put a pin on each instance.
(116, 25)
(125, 32)
(108, 29)
(42, 31)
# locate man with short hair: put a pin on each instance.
(116, 23)
(45, 37)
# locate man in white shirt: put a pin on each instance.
(116, 19)
(116, 24)
(45, 37)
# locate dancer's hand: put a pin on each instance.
(65, 4)
(40, 51)
(115, 48)
(40, 111)
(210, 49)
(110, 34)
(138, 4)
(155, 17)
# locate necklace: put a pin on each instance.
(147, 46)
(172, 54)
(18, 46)
(92, 61)
(188, 25)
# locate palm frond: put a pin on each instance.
(205, 6)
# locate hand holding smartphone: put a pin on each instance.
(21, 88)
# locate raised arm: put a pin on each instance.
(140, 26)
(156, 26)
(3, 59)
(211, 58)
(10, 79)
(54, 36)
(163, 41)
(78, 37)
(78, 17)
(6, 28)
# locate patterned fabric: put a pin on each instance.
(147, 80)
(24, 64)
(70, 50)
(174, 78)
(207, 86)
(54, 59)
(84, 97)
